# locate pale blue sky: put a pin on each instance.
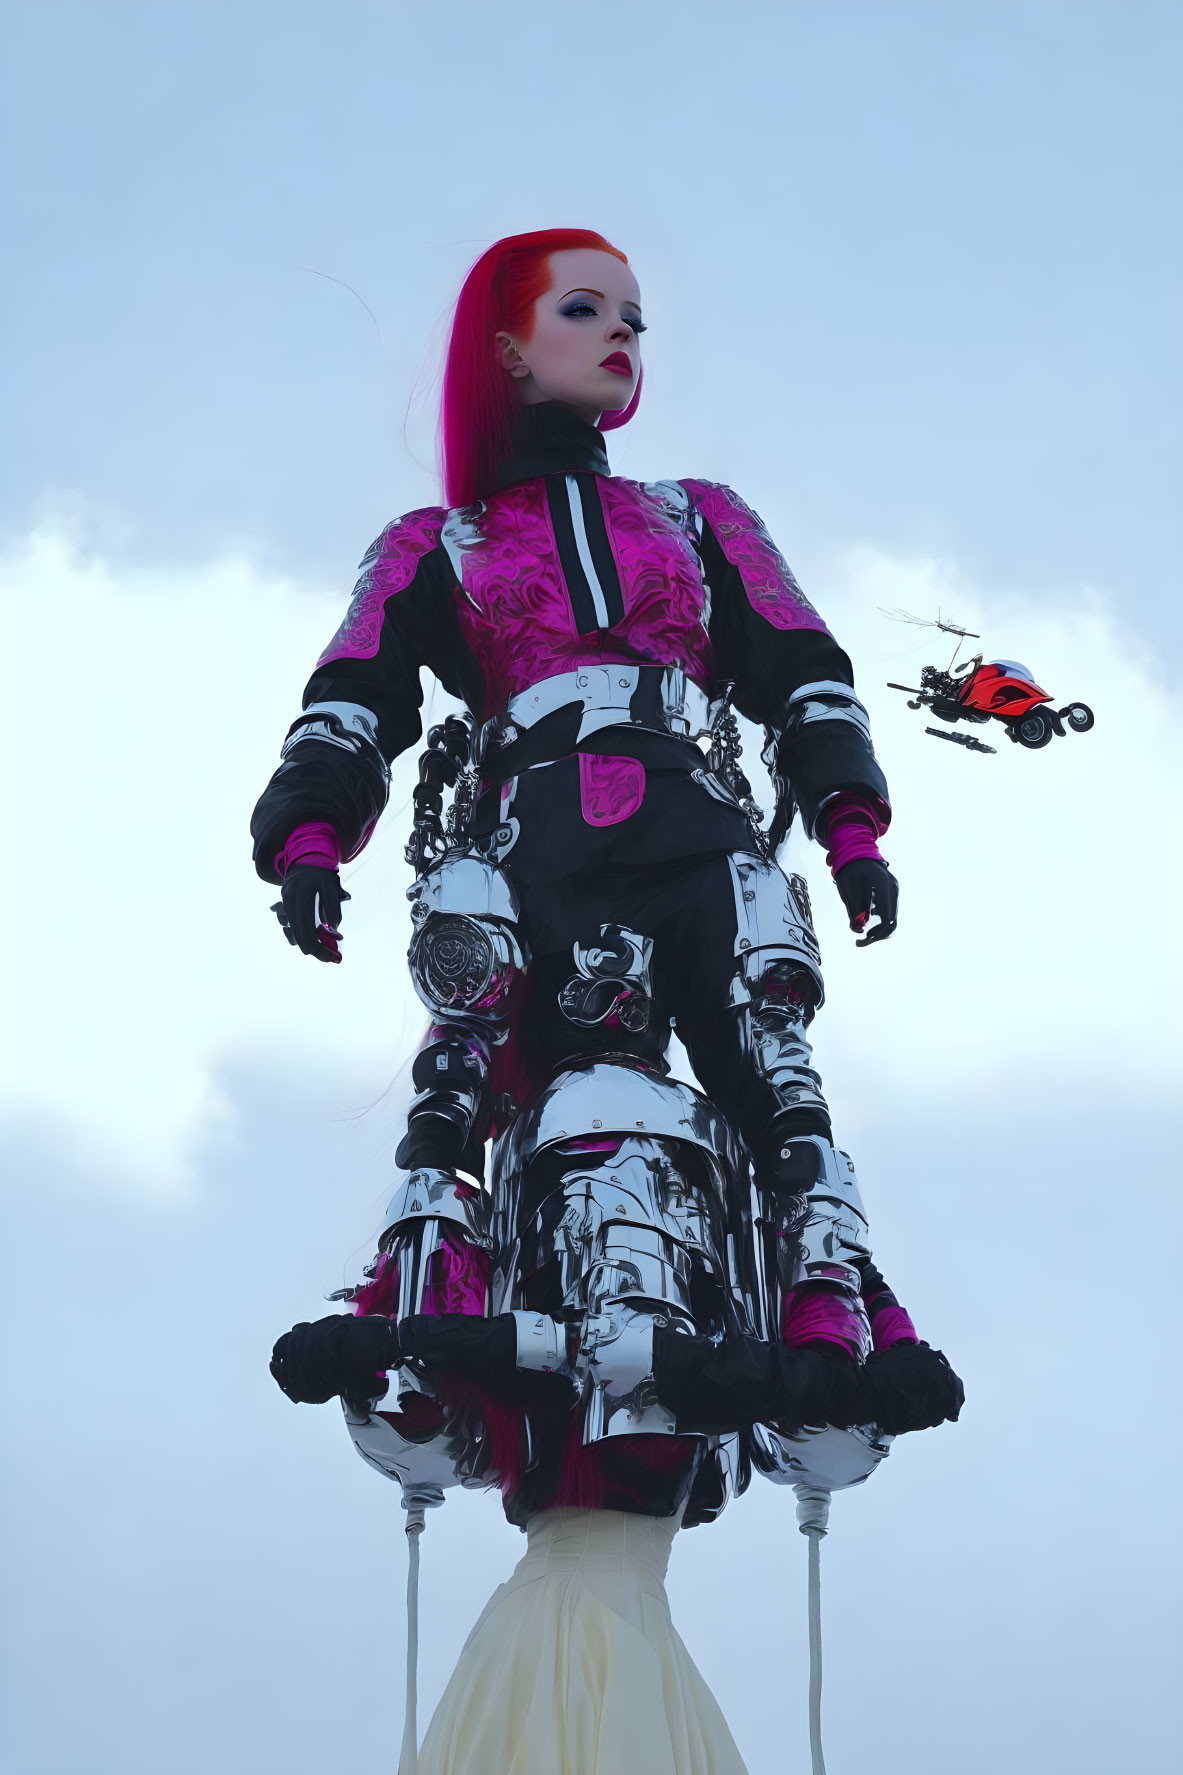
(932, 250)
(912, 279)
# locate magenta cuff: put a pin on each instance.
(314, 843)
(851, 824)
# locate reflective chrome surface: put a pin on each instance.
(418, 1212)
(437, 1195)
(625, 1220)
(826, 700)
(616, 1362)
(835, 1229)
(467, 950)
(614, 1097)
(451, 1076)
(611, 978)
(817, 1235)
(457, 1454)
(623, 1223)
(465, 885)
(460, 532)
(349, 725)
(606, 694)
(773, 921)
(823, 1456)
(541, 1344)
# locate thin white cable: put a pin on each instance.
(813, 1515)
(408, 1756)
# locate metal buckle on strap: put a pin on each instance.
(608, 694)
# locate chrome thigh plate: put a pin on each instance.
(777, 985)
(467, 949)
(429, 1210)
(420, 1210)
(774, 925)
(615, 1212)
(819, 1234)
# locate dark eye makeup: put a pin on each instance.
(638, 326)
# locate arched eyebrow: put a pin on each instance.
(584, 291)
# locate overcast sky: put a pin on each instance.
(912, 279)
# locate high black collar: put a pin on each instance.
(551, 439)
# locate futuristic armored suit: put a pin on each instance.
(589, 623)
(612, 885)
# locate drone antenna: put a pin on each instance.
(925, 622)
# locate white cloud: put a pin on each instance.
(152, 702)
(1036, 935)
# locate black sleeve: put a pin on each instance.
(361, 706)
(771, 643)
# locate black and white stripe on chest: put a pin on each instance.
(585, 554)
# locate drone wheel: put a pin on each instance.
(1079, 717)
(1034, 730)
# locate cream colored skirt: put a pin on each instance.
(575, 1668)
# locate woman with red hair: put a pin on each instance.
(599, 631)
(593, 626)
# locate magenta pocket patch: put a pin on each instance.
(610, 789)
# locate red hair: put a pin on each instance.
(478, 406)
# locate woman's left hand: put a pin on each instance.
(869, 890)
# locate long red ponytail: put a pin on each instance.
(478, 405)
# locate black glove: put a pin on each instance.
(910, 1387)
(869, 889)
(484, 1349)
(715, 1388)
(312, 931)
(338, 1355)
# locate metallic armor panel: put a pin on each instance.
(817, 1235)
(436, 1195)
(624, 1192)
(614, 1097)
(823, 1456)
(606, 695)
(461, 531)
(773, 922)
(415, 1220)
(466, 950)
(777, 985)
(611, 979)
(467, 886)
(826, 701)
(616, 1360)
(349, 725)
(457, 1454)
(541, 1344)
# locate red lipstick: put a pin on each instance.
(618, 362)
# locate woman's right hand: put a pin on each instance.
(309, 910)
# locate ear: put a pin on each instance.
(509, 356)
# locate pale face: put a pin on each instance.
(591, 313)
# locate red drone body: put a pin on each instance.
(997, 689)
